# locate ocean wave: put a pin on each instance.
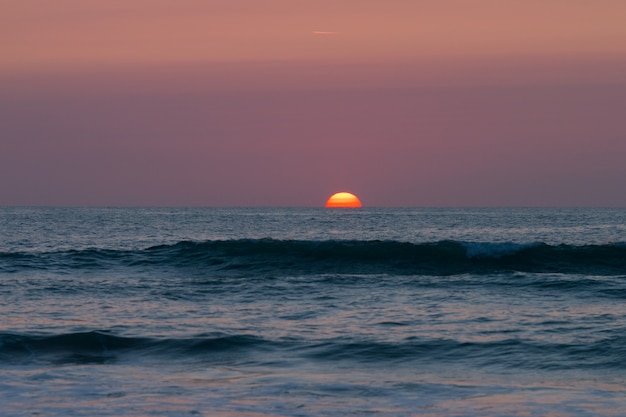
(105, 347)
(276, 257)
(506, 353)
(102, 346)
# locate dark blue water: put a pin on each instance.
(298, 312)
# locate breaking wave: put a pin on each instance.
(337, 256)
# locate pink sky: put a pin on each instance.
(242, 103)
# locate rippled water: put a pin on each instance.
(307, 312)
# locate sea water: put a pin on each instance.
(312, 312)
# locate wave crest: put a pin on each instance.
(336, 256)
(103, 347)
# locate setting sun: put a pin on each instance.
(343, 200)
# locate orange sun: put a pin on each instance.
(343, 200)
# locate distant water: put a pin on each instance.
(312, 312)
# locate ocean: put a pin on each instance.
(312, 312)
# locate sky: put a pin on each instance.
(285, 102)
